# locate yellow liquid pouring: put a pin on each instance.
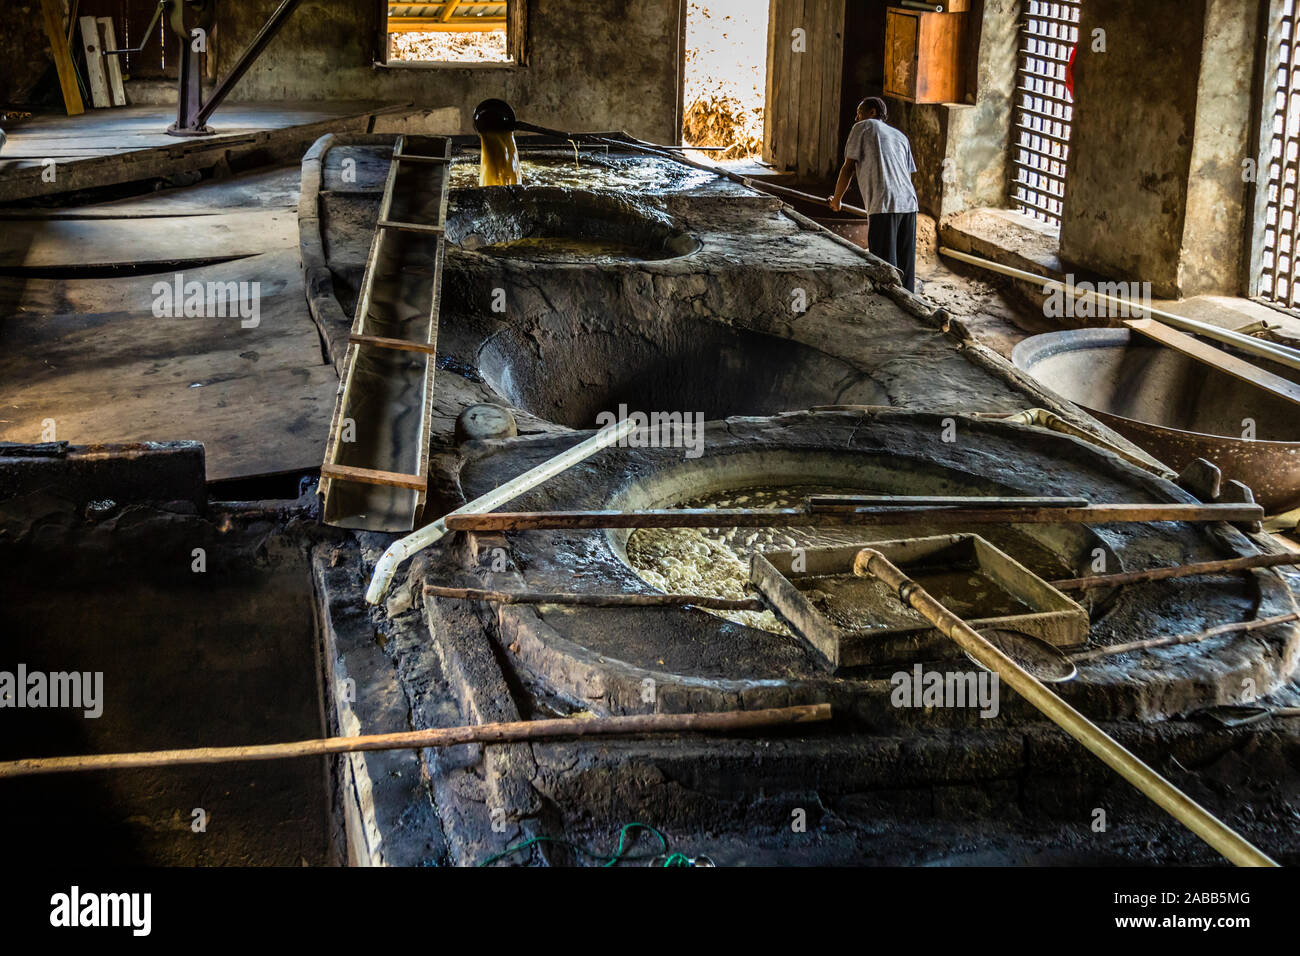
(499, 162)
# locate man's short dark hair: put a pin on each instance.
(877, 104)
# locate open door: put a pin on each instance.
(805, 63)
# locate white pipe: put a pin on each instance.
(1282, 354)
(400, 550)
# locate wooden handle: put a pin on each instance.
(1168, 797)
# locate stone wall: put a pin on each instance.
(1155, 190)
(961, 149)
(592, 64)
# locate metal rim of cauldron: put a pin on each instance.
(1267, 460)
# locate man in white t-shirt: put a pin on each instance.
(881, 157)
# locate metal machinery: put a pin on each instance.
(185, 18)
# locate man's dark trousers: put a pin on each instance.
(892, 237)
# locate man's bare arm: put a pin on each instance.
(842, 184)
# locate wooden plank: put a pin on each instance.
(74, 358)
(402, 345)
(407, 158)
(281, 132)
(411, 227)
(52, 14)
(373, 476)
(795, 84)
(828, 158)
(113, 65)
(1217, 358)
(810, 72)
(771, 106)
(595, 600)
(90, 45)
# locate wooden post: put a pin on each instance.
(844, 516)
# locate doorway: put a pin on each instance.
(725, 77)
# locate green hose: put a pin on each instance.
(620, 854)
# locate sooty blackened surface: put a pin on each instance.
(220, 657)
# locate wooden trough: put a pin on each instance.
(374, 474)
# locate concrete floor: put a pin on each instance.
(89, 358)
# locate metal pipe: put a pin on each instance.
(148, 32)
(1183, 808)
(246, 59)
(402, 549)
(1282, 354)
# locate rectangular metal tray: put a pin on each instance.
(811, 589)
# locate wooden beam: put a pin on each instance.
(52, 14)
(372, 476)
(801, 517)
(421, 227)
(1217, 358)
(433, 160)
(463, 25)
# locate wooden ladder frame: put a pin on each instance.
(380, 483)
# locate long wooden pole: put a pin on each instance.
(521, 730)
(807, 197)
(848, 515)
(1168, 797)
(595, 600)
(1172, 640)
(1181, 571)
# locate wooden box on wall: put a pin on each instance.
(925, 55)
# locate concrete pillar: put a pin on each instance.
(1155, 190)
